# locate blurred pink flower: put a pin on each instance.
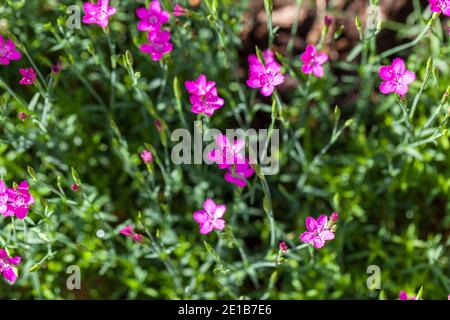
(204, 96)
(158, 44)
(210, 217)
(313, 61)
(334, 217)
(28, 76)
(3, 198)
(75, 187)
(404, 296)
(328, 20)
(227, 153)
(266, 77)
(8, 51)
(396, 78)
(146, 156)
(440, 6)
(318, 231)
(283, 246)
(178, 10)
(57, 67)
(128, 231)
(19, 201)
(152, 18)
(7, 264)
(238, 174)
(98, 13)
(22, 115)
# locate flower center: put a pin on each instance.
(153, 19)
(158, 46)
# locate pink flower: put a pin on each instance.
(404, 296)
(158, 44)
(396, 78)
(75, 187)
(152, 18)
(238, 174)
(28, 76)
(146, 156)
(313, 61)
(22, 116)
(57, 67)
(210, 217)
(98, 13)
(440, 6)
(283, 247)
(19, 201)
(178, 11)
(128, 231)
(3, 198)
(318, 231)
(8, 51)
(204, 97)
(227, 153)
(328, 21)
(266, 77)
(7, 264)
(448, 298)
(334, 217)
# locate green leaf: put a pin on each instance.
(419, 294)
(32, 173)
(75, 176)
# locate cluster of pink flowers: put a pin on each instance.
(265, 75)
(210, 217)
(7, 263)
(229, 156)
(128, 231)
(8, 53)
(319, 230)
(203, 96)
(15, 201)
(99, 13)
(151, 21)
(442, 6)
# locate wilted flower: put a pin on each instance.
(318, 232)
(239, 173)
(204, 96)
(98, 13)
(8, 51)
(440, 6)
(152, 18)
(227, 153)
(313, 61)
(158, 44)
(7, 264)
(404, 296)
(19, 201)
(266, 77)
(210, 217)
(128, 231)
(146, 156)
(396, 78)
(178, 10)
(28, 76)
(328, 20)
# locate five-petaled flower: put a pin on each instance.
(442, 6)
(152, 18)
(28, 76)
(7, 264)
(128, 231)
(8, 51)
(404, 296)
(98, 13)
(264, 76)
(227, 153)
(158, 44)
(203, 96)
(319, 231)
(19, 200)
(210, 217)
(313, 61)
(396, 78)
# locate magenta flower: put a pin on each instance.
(98, 13)
(266, 77)
(19, 201)
(204, 97)
(158, 44)
(210, 217)
(404, 296)
(152, 18)
(128, 231)
(75, 187)
(328, 20)
(7, 264)
(178, 11)
(8, 51)
(396, 78)
(22, 115)
(334, 217)
(3, 198)
(146, 156)
(57, 67)
(313, 61)
(239, 173)
(440, 6)
(227, 153)
(283, 246)
(318, 232)
(28, 76)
